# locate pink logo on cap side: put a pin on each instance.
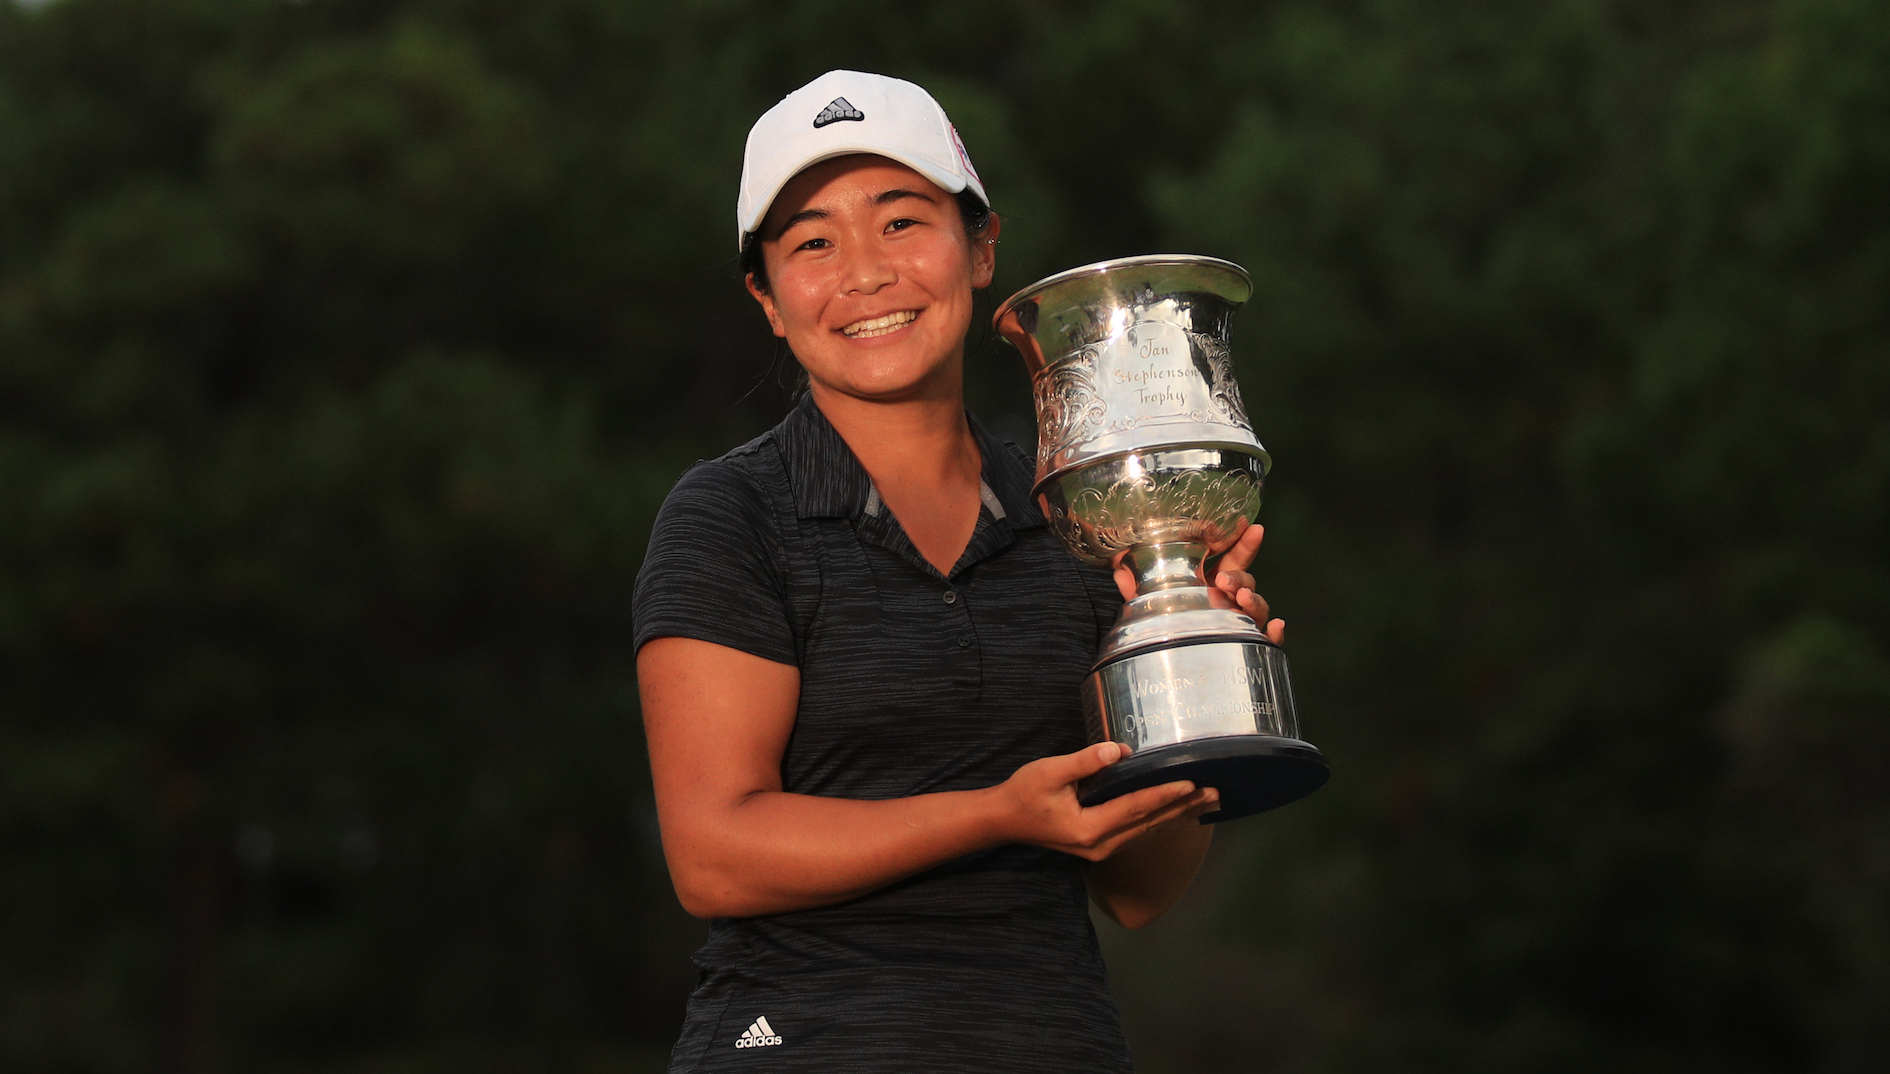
(964, 157)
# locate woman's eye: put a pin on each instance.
(901, 224)
(813, 244)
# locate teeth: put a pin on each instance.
(879, 326)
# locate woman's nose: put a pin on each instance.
(868, 269)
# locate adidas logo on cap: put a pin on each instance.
(760, 1034)
(840, 109)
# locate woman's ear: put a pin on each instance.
(767, 305)
(984, 253)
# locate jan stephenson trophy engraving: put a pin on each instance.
(1145, 456)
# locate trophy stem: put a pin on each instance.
(1169, 565)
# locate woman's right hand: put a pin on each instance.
(1041, 806)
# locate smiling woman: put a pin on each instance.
(859, 653)
(872, 271)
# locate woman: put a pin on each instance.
(859, 654)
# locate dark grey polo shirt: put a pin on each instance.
(911, 682)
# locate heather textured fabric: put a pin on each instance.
(911, 682)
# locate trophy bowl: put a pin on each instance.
(1146, 459)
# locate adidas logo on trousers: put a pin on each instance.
(759, 1035)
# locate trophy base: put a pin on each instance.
(1254, 773)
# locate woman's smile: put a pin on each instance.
(880, 326)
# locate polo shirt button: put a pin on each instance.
(964, 641)
(951, 596)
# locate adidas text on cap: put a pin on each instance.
(844, 112)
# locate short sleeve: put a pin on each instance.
(713, 570)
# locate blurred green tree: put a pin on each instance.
(1569, 354)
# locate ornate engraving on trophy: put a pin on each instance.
(1224, 393)
(1149, 374)
(1138, 510)
(1069, 408)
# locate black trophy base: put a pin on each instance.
(1254, 773)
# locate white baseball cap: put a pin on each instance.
(845, 112)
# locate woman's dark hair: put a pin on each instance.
(975, 213)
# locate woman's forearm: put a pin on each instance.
(774, 852)
(1142, 880)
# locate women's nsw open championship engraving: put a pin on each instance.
(1145, 457)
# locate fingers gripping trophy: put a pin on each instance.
(1146, 459)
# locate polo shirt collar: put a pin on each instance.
(827, 480)
(1007, 477)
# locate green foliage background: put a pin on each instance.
(347, 348)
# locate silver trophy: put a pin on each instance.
(1145, 457)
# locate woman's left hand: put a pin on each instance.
(1231, 583)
